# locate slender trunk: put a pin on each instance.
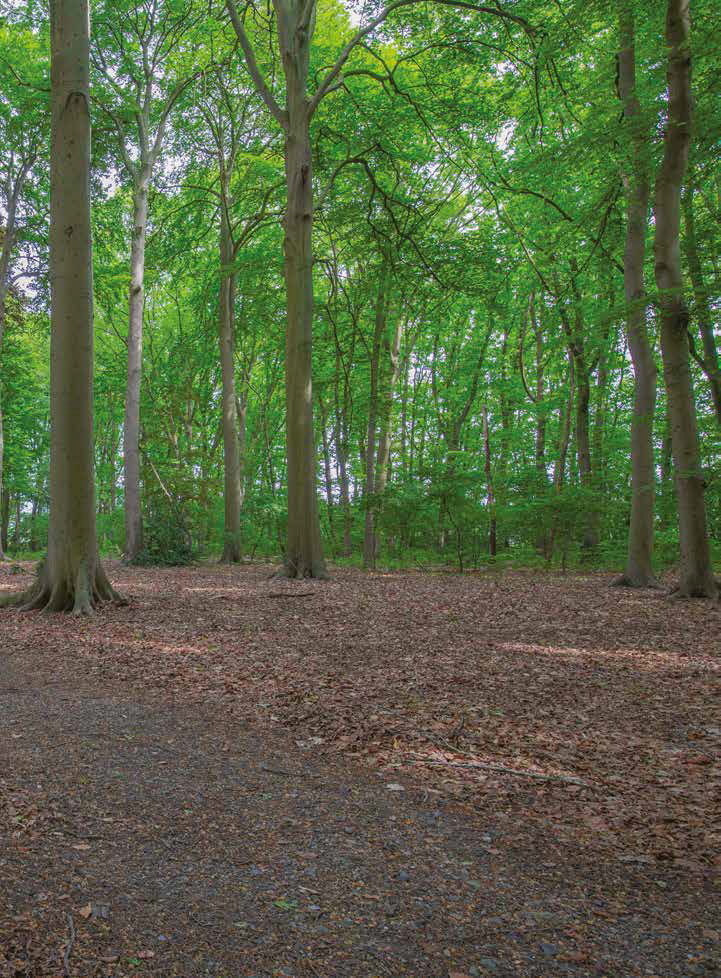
(72, 577)
(697, 578)
(404, 414)
(541, 423)
(342, 439)
(241, 411)
(390, 378)
(131, 434)
(492, 542)
(326, 466)
(34, 525)
(583, 449)
(639, 561)
(231, 447)
(369, 537)
(5, 528)
(18, 517)
(565, 428)
(304, 550)
(5, 255)
(710, 360)
(3, 537)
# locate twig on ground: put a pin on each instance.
(499, 768)
(276, 770)
(70, 945)
(291, 594)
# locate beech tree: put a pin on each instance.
(295, 26)
(138, 53)
(71, 577)
(696, 578)
(639, 570)
(498, 403)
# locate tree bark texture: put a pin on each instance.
(639, 560)
(304, 550)
(702, 308)
(696, 574)
(71, 577)
(231, 443)
(131, 432)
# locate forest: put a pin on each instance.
(490, 199)
(360, 400)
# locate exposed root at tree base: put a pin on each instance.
(301, 572)
(637, 581)
(710, 591)
(80, 596)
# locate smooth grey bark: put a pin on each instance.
(537, 399)
(389, 379)
(131, 430)
(488, 468)
(226, 338)
(4, 518)
(709, 361)
(696, 573)
(583, 369)
(564, 443)
(71, 577)
(638, 571)
(381, 311)
(157, 35)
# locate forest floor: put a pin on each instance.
(403, 774)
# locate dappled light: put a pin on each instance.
(607, 734)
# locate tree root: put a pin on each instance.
(301, 572)
(81, 597)
(637, 581)
(710, 591)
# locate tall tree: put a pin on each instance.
(136, 53)
(697, 579)
(639, 560)
(71, 578)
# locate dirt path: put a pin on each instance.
(140, 839)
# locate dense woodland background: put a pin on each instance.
(473, 386)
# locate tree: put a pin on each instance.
(295, 26)
(697, 579)
(22, 127)
(136, 54)
(71, 577)
(639, 561)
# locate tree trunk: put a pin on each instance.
(304, 550)
(18, 519)
(231, 444)
(71, 577)
(565, 426)
(34, 525)
(639, 561)
(696, 578)
(390, 378)
(710, 361)
(5, 520)
(492, 542)
(369, 537)
(131, 434)
(5, 255)
(327, 467)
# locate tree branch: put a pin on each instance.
(265, 93)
